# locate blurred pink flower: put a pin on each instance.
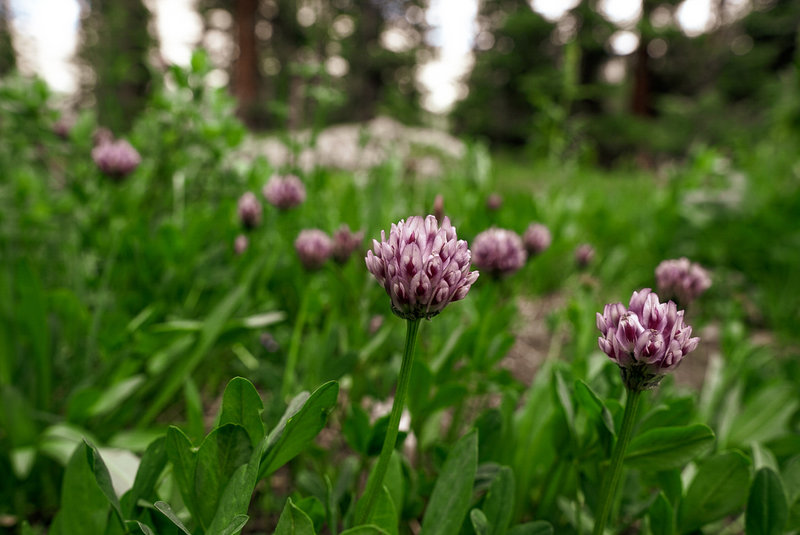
(498, 251)
(313, 247)
(284, 192)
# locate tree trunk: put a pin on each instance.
(245, 68)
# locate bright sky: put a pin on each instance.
(48, 29)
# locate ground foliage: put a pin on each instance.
(128, 325)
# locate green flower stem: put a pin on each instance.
(294, 344)
(612, 477)
(375, 482)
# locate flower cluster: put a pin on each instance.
(421, 266)
(345, 242)
(249, 210)
(116, 158)
(284, 192)
(682, 280)
(646, 340)
(498, 251)
(537, 239)
(313, 247)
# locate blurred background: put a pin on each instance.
(608, 81)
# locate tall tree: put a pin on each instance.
(115, 51)
(8, 58)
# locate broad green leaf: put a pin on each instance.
(384, 513)
(150, 468)
(183, 458)
(592, 403)
(368, 529)
(662, 516)
(145, 528)
(236, 525)
(167, 511)
(356, 429)
(102, 477)
(779, 402)
(223, 452)
(242, 405)
(498, 506)
(766, 507)
(664, 448)
(300, 428)
(763, 457)
(84, 506)
(540, 527)
(451, 495)
(479, 522)
(235, 499)
(718, 489)
(294, 521)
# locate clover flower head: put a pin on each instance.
(240, 244)
(116, 159)
(682, 280)
(249, 210)
(345, 242)
(646, 340)
(313, 247)
(494, 202)
(284, 192)
(536, 238)
(498, 251)
(422, 266)
(584, 254)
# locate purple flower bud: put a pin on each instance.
(682, 280)
(584, 254)
(116, 159)
(536, 239)
(498, 251)
(63, 127)
(101, 136)
(284, 192)
(438, 207)
(494, 202)
(249, 210)
(421, 266)
(314, 247)
(646, 340)
(240, 244)
(345, 242)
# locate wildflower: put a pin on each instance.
(498, 251)
(421, 266)
(682, 280)
(584, 254)
(62, 127)
(536, 239)
(116, 159)
(101, 136)
(249, 210)
(240, 244)
(494, 202)
(314, 247)
(438, 207)
(646, 340)
(284, 192)
(345, 242)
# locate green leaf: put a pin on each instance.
(113, 396)
(750, 425)
(368, 529)
(145, 528)
(294, 521)
(84, 506)
(592, 403)
(356, 429)
(298, 429)
(662, 516)
(767, 511)
(665, 448)
(167, 511)
(451, 495)
(221, 454)
(479, 522)
(235, 499)
(498, 505)
(540, 527)
(236, 525)
(102, 477)
(183, 458)
(718, 489)
(150, 468)
(565, 400)
(242, 405)
(384, 513)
